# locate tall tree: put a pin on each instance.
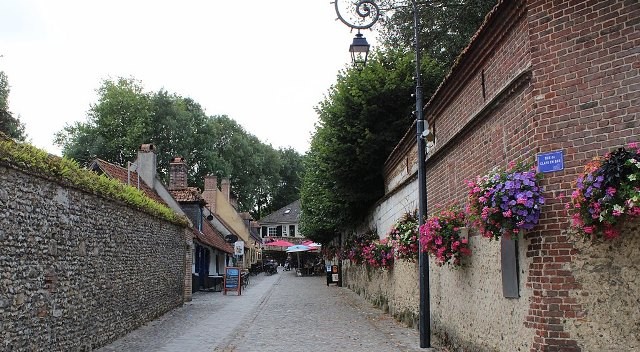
(291, 172)
(446, 26)
(361, 121)
(9, 125)
(115, 127)
(126, 117)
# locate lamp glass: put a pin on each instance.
(359, 50)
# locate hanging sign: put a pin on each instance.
(551, 161)
(238, 248)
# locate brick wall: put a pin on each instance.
(79, 270)
(586, 84)
(558, 75)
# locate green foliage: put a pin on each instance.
(126, 117)
(9, 125)
(446, 26)
(31, 159)
(288, 188)
(363, 118)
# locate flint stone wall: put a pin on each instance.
(80, 270)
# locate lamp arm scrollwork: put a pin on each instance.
(365, 14)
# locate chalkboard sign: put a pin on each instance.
(232, 280)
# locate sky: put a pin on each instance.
(264, 64)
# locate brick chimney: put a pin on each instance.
(146, 165)
(225, 187)
(210, 191)
(177, 173)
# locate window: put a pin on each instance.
(273, 231)
(284, 231)
(292, 230)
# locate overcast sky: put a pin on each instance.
(265, 64)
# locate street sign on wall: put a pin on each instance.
(551, 161)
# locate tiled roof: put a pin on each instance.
(212, 237)
(286, 215)
(189, 194)
(121, 174)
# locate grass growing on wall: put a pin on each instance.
(29, 158)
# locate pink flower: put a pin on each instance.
(611, 233)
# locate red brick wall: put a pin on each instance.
(586, 85)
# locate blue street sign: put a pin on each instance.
(551, 161)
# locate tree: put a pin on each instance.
(446, 26)
(361, 121)
(9, 125)
(367, 112)
(290, 179)
(126, 117)
(115, 127)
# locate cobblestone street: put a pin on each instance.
(281, 312)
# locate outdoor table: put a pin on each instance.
(217, 282)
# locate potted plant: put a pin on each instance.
(404, 237)
(606, 194)
(505, 202)
(378, 254)
(444, 236)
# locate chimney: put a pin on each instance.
(146, 164)
(177, 173)
(210, 191)
(225, 187)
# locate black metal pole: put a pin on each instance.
(368, 9)
(423, 258)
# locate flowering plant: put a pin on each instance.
(330, 251)
(440, 236)
(404, 236)
(606, 194)
(354, 245)
(378, 254)
(505, 202)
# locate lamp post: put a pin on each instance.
(366, 14)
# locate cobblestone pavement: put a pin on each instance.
(280, 312)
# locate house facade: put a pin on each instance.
(223, 208)
(283, 223)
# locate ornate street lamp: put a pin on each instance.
(364, 15)
(359, 50)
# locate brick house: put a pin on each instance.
(538, 76)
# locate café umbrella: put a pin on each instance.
(281, 243)
(297, 249)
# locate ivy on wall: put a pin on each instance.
(30, 159)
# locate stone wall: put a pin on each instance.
(607, 303)
(80, 270)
